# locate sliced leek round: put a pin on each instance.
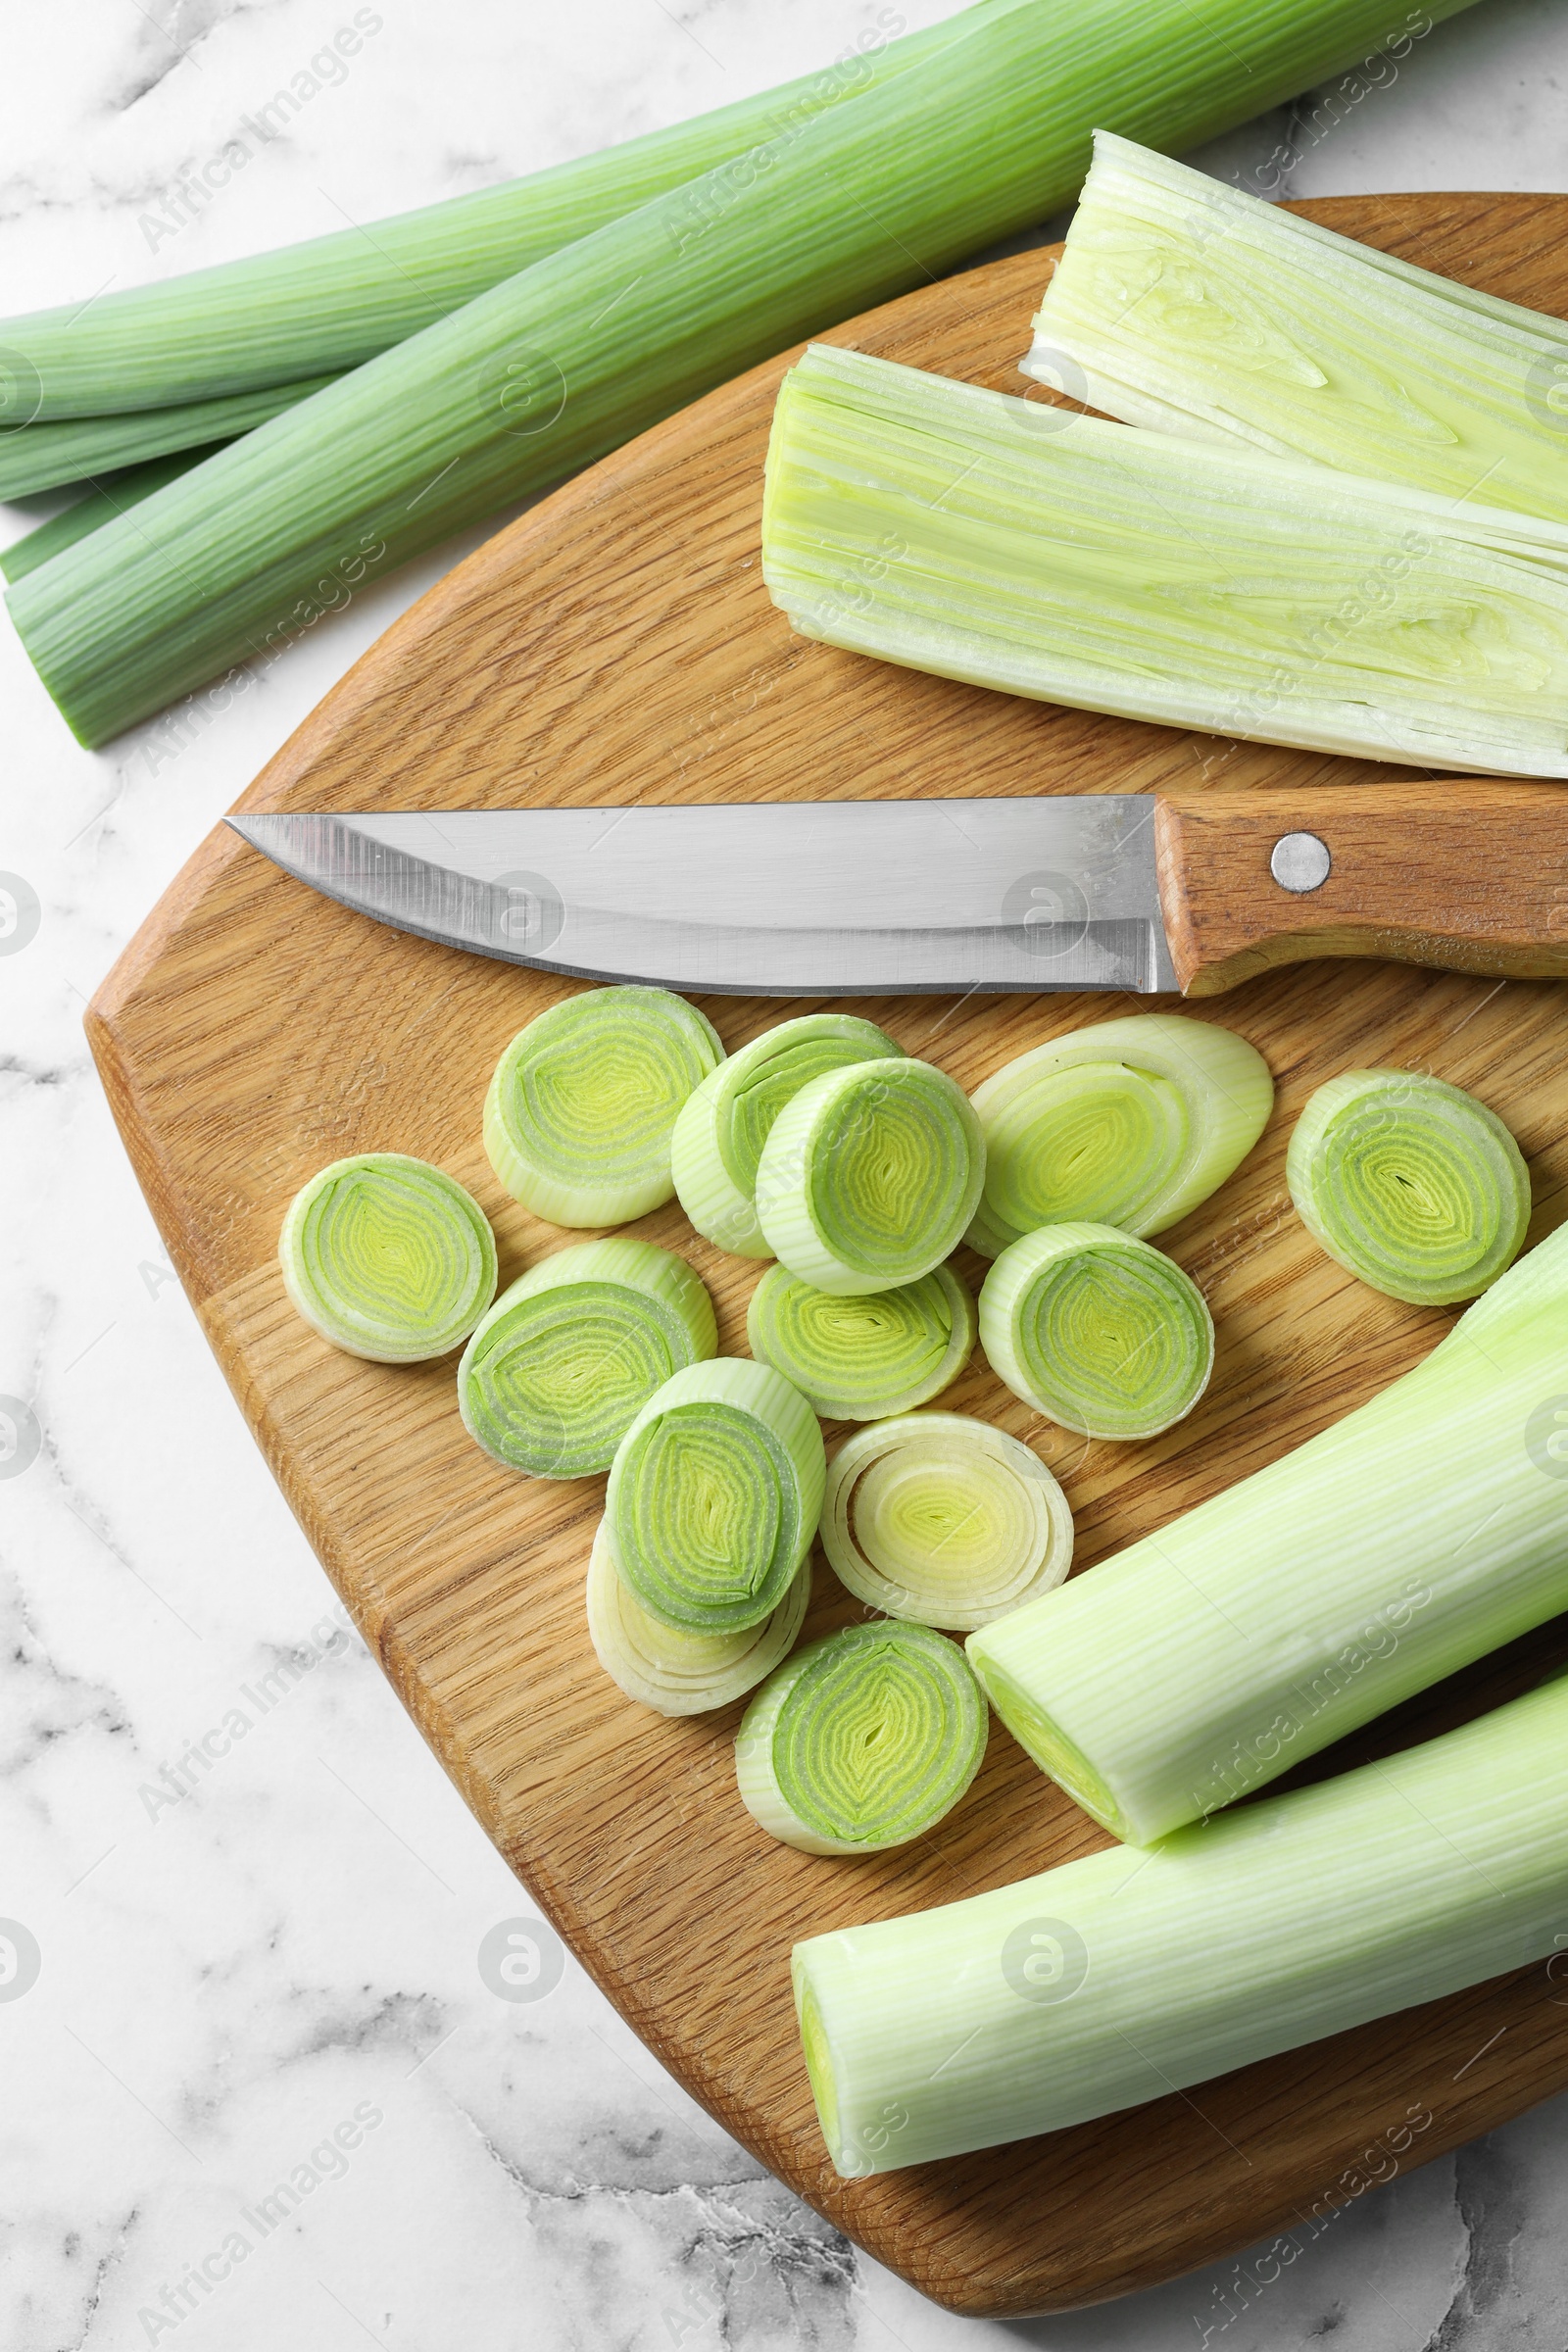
(859, 1359)
(715, 1495)
(870, 1176)
(721, 1132)
(683, 1674)
(1096, 1330)
(580, 1110)
(566, 1358)
(861, 1740)
(1128, 1123)
(388, 1257)
(1410, 1183)
(943, 1520)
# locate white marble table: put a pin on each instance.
(260, 1909)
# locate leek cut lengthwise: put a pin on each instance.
(1120, 1978)
(1190, 307)
(958, 530)
(1425, 1528)
(842, 206)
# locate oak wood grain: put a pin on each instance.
(616, 644)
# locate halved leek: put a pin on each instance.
(1120, 1978)
(863, 1740)
(715, 1495)
(862, 1359)
(1096, 1330)
(1129, 1123)
(720, 1135)
(1410, 1183)
(388, 1257)
(943, 1520)
(1425, 1528)
(950, 528)
(580, 1110)
(568, 1355)
(675, 1673)
(870, 1176)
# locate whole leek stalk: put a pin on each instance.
(40, 457)
(960, 531)
(103, 502)
(1117, 1978)
(837, 209)
(1425, 1528)
(1185, 305)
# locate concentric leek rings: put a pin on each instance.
(863, 1740)
(558, 1368)
(870, 1176)
(715, 1495)
(1410, 1183)
(683, 1674)
(388, 1257)
(583, 1103)
(1096, 1330)
(943, 1520)
(859, 1359)
(720, 1133)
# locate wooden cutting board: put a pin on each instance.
(617, 645)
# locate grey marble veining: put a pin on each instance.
(281, 2077)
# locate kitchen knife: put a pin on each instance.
(1148, 892)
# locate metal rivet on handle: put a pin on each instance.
(1300, 862)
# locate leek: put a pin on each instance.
(943, 1520)
(1116, 1978)
(869, 1176)
(676, 1673)
(838, 207)
(1411, 1184)
(388, 1257)
(713, 1497)
(104, 501)
(40, 457)
(862, 1742)
(1097, 1331)
(860, 1359)
(580, 1110)
(1186, 306)
(720, 1135)
(1130, 1123)
(558, 1368)
(1425, 1528)
(954, 529)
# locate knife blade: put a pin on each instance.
(1122, 891)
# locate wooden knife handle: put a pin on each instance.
(1458, 873)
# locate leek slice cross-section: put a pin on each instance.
(558, 1368)
(1410, 1183)
(720, 1133)
(864, 1358)
(388, 1257)
(861, 1740)
(715, 1495)
(943, 1520)
(1130, 1123)
(1095, 1329)
(676, 1673)
(583, 1103)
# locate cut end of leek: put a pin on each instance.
(1129, 1123)
(683, 1674)
(584, 1100)
(944, 1521)
(567, 1357)
(864, 1358)
(863, 1740)
(715, 1495)
(870, 1176)
(388, 1257)
(719, 1138)
(1096, 1330)
(1411, 1184)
